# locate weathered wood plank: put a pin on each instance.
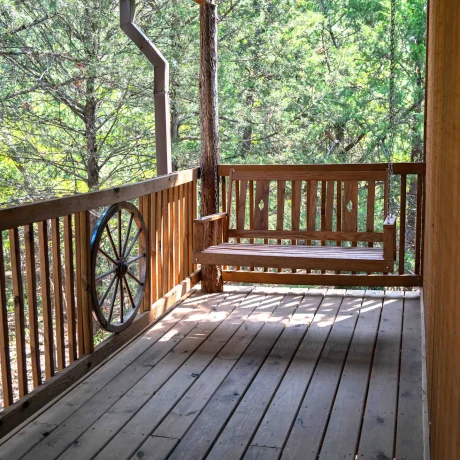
(344, 425)
(277, 422)
(207, 427)
(107, 395)
(378, 429)
(305, 438)
(409, 432)
(179, 420)
(31, 434)
(171, 389)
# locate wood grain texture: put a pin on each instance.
(18, 302)
(5, 360)
(31, 279)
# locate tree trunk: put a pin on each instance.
(92, 163)
(211, 275)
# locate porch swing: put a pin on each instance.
(249, 192)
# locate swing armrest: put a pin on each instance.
(210, 218)
(389, 238)
(201, 231)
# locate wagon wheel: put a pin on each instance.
(118, 266)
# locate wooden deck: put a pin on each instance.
(253, 373)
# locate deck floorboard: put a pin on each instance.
(252, 373)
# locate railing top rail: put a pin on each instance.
(398, 168)
(16, 216)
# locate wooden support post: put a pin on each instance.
(211, 275)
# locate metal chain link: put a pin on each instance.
(392, 101)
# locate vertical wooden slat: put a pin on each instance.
(148, 259)
(295, 211)
(339, 213)
(350, 216)
(171, 237)
(224, 194)
(69, 288)
(241, 210)
(323, 211)
(153, 250)
(350, 208)
(189, 226)
(176, 226)
(329, 206)
(261, 215)
(58, 301)
(165, 239)
(46, 298)
(280, 200)
(370, 209)
(251, 211)
(31, 278)
(418, 224)
(237, 207)
(312, 201)
(159, 242)
(181, 233)
(402, 224)
(86, 282)
(78, 283)
(18, 300)
(7, 389)
(193, 216)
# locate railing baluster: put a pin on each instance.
(418, 224)
(31, 278)
(18, 299)
(69, 288)
(46, 297)
(7, 388)
(85, 293)
(402, 224)
(57, 284)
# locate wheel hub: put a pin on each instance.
(122, 267)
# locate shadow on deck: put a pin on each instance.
(262, 373)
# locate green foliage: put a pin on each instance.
(302, 81)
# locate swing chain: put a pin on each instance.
(392, 101)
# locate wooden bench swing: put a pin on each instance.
(339, 193)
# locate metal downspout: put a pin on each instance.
(161, 84)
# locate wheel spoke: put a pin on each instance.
(107, 292)
(113, 300)
(107, 256)
(127, 235)
(119, 233)
(133, 243)
(103, 275)
(121, 300)
(133, 276)
(112, 242)
(129, 292)
(140, 256)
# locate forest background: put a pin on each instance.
(300, 81)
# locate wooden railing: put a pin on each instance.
(324, 209)
(46, 322)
